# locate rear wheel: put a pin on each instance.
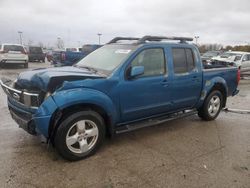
(211, 106)
(79, 135)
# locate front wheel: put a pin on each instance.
(79, 135)
(211, 106)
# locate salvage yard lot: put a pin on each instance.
(182, 153)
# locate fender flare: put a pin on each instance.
(212, 84)
(85, 96)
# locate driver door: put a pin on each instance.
(147, 94)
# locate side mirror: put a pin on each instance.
(136, 71)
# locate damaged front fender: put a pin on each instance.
(43, 115)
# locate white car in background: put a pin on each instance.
(13, 54)
(240, 59)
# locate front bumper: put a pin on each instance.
(34, 121)
(22, 118)
(29, 111)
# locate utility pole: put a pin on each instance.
(196, 39)
(99, 37)
(20, 36)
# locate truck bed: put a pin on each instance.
(225, 73)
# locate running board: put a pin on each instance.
(154, 121)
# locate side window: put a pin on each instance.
(153, 61)
(179, 59)
(190, 59)
(183, 59)
(245, 58)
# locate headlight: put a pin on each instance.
(47, 95)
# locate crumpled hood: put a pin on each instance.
(49, 79)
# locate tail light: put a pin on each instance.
(63, 57)
(238, 76)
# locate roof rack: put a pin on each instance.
(160, 38)
(150, 38)
(114, 40)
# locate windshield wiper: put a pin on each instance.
(88, 68)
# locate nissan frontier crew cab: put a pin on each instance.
(127, 84)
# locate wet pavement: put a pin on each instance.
(181, 153)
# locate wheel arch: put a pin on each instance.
(216, 83)
(60, 114)
(220, 87)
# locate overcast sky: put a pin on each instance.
(79, 21)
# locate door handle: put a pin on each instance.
(165, 83)
(195, 79)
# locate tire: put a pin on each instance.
(71, 134)
(211, 106)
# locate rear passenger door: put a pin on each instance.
(187, 78)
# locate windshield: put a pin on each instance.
(228, 54)
(35, 50)
(107, 58)
(236, 56)
(15, 48)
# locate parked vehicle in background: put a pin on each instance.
(118, 88)
(206, 57)
(73, 49)
(49, 55)
(56, 56)
(13, 54)
(236, 58)
(36, 53)
(69, 58)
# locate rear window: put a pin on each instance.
(36, 50)
(71, 49)
(15, 48)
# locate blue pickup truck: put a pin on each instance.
(120, 87)
(70, 57)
